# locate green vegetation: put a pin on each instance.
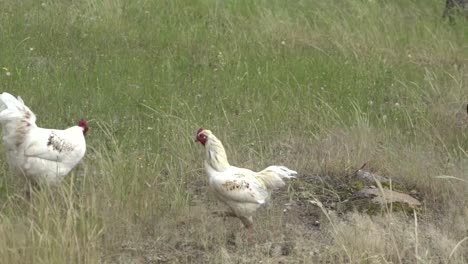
(318, 86)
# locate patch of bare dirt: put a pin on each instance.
(305, 211)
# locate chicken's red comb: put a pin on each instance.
(200, 130)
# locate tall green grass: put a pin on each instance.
(319, 86)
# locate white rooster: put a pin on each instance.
(242, 190)
(40, 154)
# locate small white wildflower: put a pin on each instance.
(221, 59)
(7, 72)
(283, 42)
(397, 105)
(149, 128)
(370, 102)
(31, 49)
(409, 56)
(43, 4)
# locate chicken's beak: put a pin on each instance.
(196, 137)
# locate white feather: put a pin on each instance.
(39, 153)
(242, 190)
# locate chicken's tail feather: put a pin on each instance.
(273, 176)
(16, 119)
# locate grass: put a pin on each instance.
(319, 86)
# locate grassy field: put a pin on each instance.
(318, 86)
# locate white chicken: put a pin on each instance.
(40, 154)
(242, 190)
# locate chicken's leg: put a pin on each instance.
(248, 223)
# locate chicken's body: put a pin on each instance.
(242, 190)
(38, 153)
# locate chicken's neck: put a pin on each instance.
(215, 155)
